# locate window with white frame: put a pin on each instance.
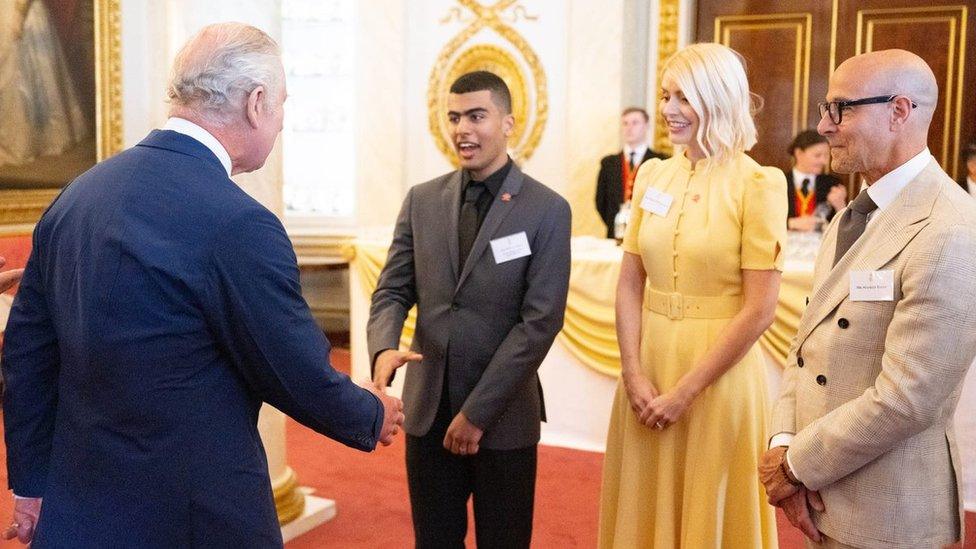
(318, 139)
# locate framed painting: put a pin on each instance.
(60, 95)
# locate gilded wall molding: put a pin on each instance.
(517, 64)
(667, 45)
(951, 90)
(802, 25)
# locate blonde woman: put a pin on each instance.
(698, 285)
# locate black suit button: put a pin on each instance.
(455, 306)
(843, 323)
(808, 300)
(799, 361)
(821, 380)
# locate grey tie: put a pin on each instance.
(852, 223)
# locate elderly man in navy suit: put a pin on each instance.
(159, 308)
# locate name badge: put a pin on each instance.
(657, 202)
(510, 247)
(872, 285)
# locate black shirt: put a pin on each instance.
(493, 184)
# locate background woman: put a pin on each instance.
(698, 285)
(812, 195)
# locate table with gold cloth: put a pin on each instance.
(579, 375)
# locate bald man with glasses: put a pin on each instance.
(864, 451)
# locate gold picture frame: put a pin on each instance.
(19, 206)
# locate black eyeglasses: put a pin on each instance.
(836, 108)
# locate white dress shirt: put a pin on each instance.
(883, 192)
(799, 177)
(638, 151)
(971, 186)
(189, 129)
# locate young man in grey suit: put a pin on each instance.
(484, 254)
(865, 454)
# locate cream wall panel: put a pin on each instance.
(381, 109)
(592, 115)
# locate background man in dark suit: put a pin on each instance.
(813, 196)
(160, 306)
(484, 254)
(615, 181)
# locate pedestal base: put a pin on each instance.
(317, 511)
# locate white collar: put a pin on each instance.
(639, 152)
(799, 176)
(884, 191)
(971, 185)
(189, 129)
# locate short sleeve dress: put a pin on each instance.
(695, 484)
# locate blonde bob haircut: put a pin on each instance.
(713, 79)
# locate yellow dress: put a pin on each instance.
(694, 485)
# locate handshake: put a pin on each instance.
(386, 363)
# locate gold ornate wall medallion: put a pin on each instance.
(514, 61)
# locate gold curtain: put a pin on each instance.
(589, 333)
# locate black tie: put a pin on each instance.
(852, 223)
(468, 221)
(631, 160)
(805, 188)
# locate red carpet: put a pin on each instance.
(373, 510)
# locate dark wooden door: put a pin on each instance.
(791, 47)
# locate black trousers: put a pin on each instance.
(502, 483)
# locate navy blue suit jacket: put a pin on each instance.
(160, 306)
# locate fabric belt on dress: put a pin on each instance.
(677, 306)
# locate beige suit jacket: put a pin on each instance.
(870, 386)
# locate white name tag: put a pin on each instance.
(872, 285)
(657, 202)
(510, 247)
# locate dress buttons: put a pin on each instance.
(843, 323)
(821, 380)
(799, 361)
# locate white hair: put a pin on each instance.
(220, 66)
(713, 80)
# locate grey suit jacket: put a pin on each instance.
(493, 323)
(870, 386)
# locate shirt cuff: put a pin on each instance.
(792, 470)
(781, 439)
(784, 439)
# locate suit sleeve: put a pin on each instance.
(790, 197)
(605, 210)
(924, 362)
(542, 310)
(260, 319)
(831, 182)
(31, 364)
(396, 290)
(784, 409)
